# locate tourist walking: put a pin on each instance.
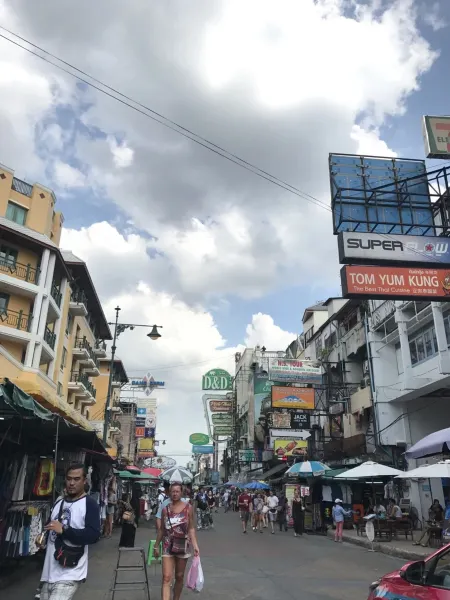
(128, 518)
(272, 503)
(211, 501)
(177, 533)
(226, 501)
(258, 505)
(244, 502)
(74, 525)
(298, 513)
(111, 508)
(339, 513)
(282, 513)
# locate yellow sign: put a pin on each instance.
(146, 444)
(289, 447)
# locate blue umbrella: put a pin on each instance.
(256, 485)
(308, 468)
(231, 484)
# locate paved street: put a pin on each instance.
(251, 567)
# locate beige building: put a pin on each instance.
(52, 326)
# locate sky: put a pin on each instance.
(172, 232)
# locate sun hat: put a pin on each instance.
(338, 501)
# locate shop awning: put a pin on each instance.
(14, 401)
(274, 471)
(135, 476)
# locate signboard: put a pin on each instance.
(145, 415)
(140, 432)
(161, 462)
(222, 419)
(290, 419)
(222, 430)
(398, 282)
(140, 423)
(294, 435)
(292, 397)
(295, 371)
(222, 406)
(202, 449)
(337, 408)
(145, 444)
(289, 448)
(436, 135)
(217, 380)
(198, 439)
(248, 455)
(146, 454)
(149, 432)
(147, 383)
(373, 248)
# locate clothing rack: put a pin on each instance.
(23, 522)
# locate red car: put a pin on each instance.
(427, 579)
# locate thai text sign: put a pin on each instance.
(222, 430)
(292, 397)
(399, 282)
(199, 439)
(295, 371)
(289, 447)
(221, 406)
(248, 456)
(218, 380)
(222, 419)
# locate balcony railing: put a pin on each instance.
(100, 345)
(17, 319)
(79, 297)
(82, 343)
(22, 187)
(78, 377)
(19, 270)
(50, 337)
(56, 294)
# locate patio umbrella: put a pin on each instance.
(369, 470)
(308, 468)
(256, 485)
(437, 470)
(177, 475)
(152, 471)
(435, 443)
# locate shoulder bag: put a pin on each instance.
(178, 544)
(66, 556)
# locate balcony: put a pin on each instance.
(50, 337)
(78, 304)
(81, 349)
(82, 388)
(100, 349)
(56, 295)
(19, 270)
(15, 326)
(361, 399)
(22, 187)
(92, 366)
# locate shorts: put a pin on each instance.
(177, 555)
(111, 509)
(245, 515)
(61, 590)
(272, 515)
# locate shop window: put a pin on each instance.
(423, 346)
(16, 213)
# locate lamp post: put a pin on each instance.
(118, 329)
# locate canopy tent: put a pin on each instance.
(435, 443)
(308, 468)
(135, 476)
(369, 470)
(438, 470)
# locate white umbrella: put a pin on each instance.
(177, 475)
(369, 470)
(438, 470)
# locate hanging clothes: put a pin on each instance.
(45, 477)
(20, 482)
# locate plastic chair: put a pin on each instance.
(150, 557)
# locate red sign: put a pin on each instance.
(396, 282)
(140, 432)
(222, 406)
(146, 454)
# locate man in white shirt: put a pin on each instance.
(74, 524)
(272, 503)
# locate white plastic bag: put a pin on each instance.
(200, 578)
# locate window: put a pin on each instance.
(16, 213)
(423, 345)
(60, 389)
(69, 324)
(439, 572)
(63, 358)
(4, 301)
(8, 256)
(309, 334)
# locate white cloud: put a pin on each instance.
(432, 16)
(122, 154)
(66, 176)
(264, 332)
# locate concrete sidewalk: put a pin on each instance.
(399, 548)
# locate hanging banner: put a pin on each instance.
(289, 448)
(222, 406)
(222, 419)
(217, 380)
(292, 397)
(295, 371)
(400, 282)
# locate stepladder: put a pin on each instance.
(130, 575)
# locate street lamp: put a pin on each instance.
(118, 329)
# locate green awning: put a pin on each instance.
(15, 401)
(137, 476)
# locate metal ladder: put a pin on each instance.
(124, 586)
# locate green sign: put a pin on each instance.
(198, 439)
(222, 430)
(222, 419)
(217, 380)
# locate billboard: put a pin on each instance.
(261, 387)
(140, 432)
(202, 449)
(221, 406)
(294, 435)
(217, 380)
(295, 371)
(222, 430)
(147, 383)
(145, 444)
(292, 397)
(248, 455)
(436, 136)
(222, 419)
(373, 248)
(198, 439)
(290, 419)
(396, 282)
(145, 414)
(381, 195)
(285, 447)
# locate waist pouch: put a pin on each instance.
(67, 556)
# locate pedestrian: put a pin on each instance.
(298, 513)
(265, 515)
(136, 493)
(128, 518)
(282, 513)
(226, 500)
(74, 525)
(177, 533)
(211, 501)
(258, 505)
(111, 508)
(217, 499)
(272, 503)
(186, 499)
(244, 501)
(339, 513)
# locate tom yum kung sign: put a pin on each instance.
(396, 282)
